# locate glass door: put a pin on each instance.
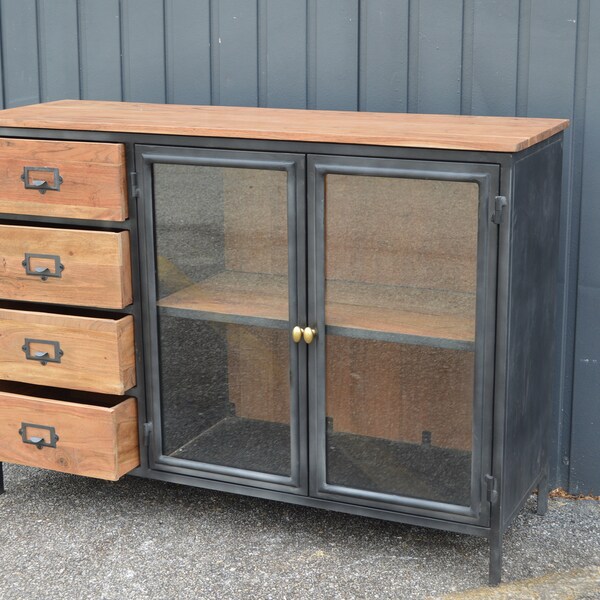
(225, 269)
(401, 301)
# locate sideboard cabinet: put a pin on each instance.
(349, 311)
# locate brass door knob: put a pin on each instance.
(309, 334)
(297, 333)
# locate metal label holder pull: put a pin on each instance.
(42, 185)
(43, 357)
(37, 441)
(43, 272)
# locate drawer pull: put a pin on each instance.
(36, 440)
(43, 272)
(41, 185)
(42, 356)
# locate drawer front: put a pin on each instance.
(77, 180)
(83, 268)
(82, 353)
(71, 437)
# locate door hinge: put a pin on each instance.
(135, 190)
(499, 206)
(147, 433)
(491, 489)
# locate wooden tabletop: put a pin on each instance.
(450, 132)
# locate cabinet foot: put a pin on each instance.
(542, 498)
(495, 557)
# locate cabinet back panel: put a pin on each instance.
(397, 392)
(404, 232)
(255, 220)
(209, 219)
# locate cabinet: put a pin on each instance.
(340, 310)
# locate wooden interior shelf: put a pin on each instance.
(373, 311)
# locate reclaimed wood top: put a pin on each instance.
(449, 132)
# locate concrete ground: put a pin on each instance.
(67, 537)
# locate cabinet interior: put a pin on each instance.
(400, 260)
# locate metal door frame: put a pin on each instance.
(294, 166)
(487, 176)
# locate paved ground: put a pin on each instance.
(68, 538)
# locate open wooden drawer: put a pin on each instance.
(95, 354)
(73, 432)
(65, 266)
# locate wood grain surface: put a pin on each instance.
(98, 354)
(420, 312)
(93, 187)
(462, 132)
(94, 440)
(373, 388)
(397, 231)
(97, 266)
(397, 391)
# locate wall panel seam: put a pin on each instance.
(262, 49)
(412, 84)
(466, 84)
(213, 11)
(523, 58)
(122, 44)
(38, 36)
(311, 54)
(78, 35)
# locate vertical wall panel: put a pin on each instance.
(100, 48)
(282, 53)
(384, 56)
(552, 58)
(438, 58)
(502, 57)
(494, 83)
(552, 44)
(187, 35)
(585, 445)
(58, 49)
(142, 31)
(20, 52)
(238, 53)
(333, 54)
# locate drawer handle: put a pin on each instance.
(41, 185)
(43, 272)
(36, 440)
(42, 356)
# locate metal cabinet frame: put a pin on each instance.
(533, 172)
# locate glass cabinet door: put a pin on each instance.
(402, 303)
(223, 242)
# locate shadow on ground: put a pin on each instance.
(69, 537)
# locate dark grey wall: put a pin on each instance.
(492, 57)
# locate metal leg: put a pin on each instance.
(543, 491)
(1, 480)
(495, 556)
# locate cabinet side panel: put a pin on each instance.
(531, 380)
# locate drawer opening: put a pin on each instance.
(71, 311)
(62, 395)
(24, 221)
